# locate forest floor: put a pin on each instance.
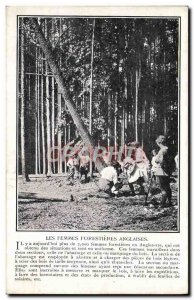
(51, 204)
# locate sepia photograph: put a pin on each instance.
(97, 133)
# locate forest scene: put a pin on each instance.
(97, 84)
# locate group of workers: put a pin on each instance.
(81, 167)
(136, 168)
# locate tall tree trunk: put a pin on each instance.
(109, 120)
(53, 121)
(143, 123)
(126, 111)
(87, 139)
(165, 109)
(42, 123)
(125, 106)
(53, 110)
(49, 170)
(59, 110)
(150, 96)
(65, 141)
(69, 132)
(59, 133)
(137, 81)
(36, 117)
(91, 87)
(131, 115)
(115, 125)
(123, 120)
(38, 113)
(23, 141)
(91, 77)
(83, 101)
(136, 105)
(123, 126)
(48, 124)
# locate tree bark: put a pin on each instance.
(164, 102)
(65, 141)
(53, 110)
(109, 120)
(59, 134)
(91, 87)
(42, 124)
(87, 139)
(136, 105)
(49, 170)
(83, 100)
(69, 132)
(36, 119)
(38, 113)
(126, 112)
(123, 126)
(23, 140)
(115, 125)
(143, 123)
(48, 124)
(91, 76)
(59, 111)
(137, 81)
(53, 120)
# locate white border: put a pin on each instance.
(3, 3)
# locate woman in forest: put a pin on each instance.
(139, 156)
(134, 176)
(109, 181)
(162, 171)
(137, 168)
(73, 165)
(84, 168)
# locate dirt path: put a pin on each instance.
(53, 205)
